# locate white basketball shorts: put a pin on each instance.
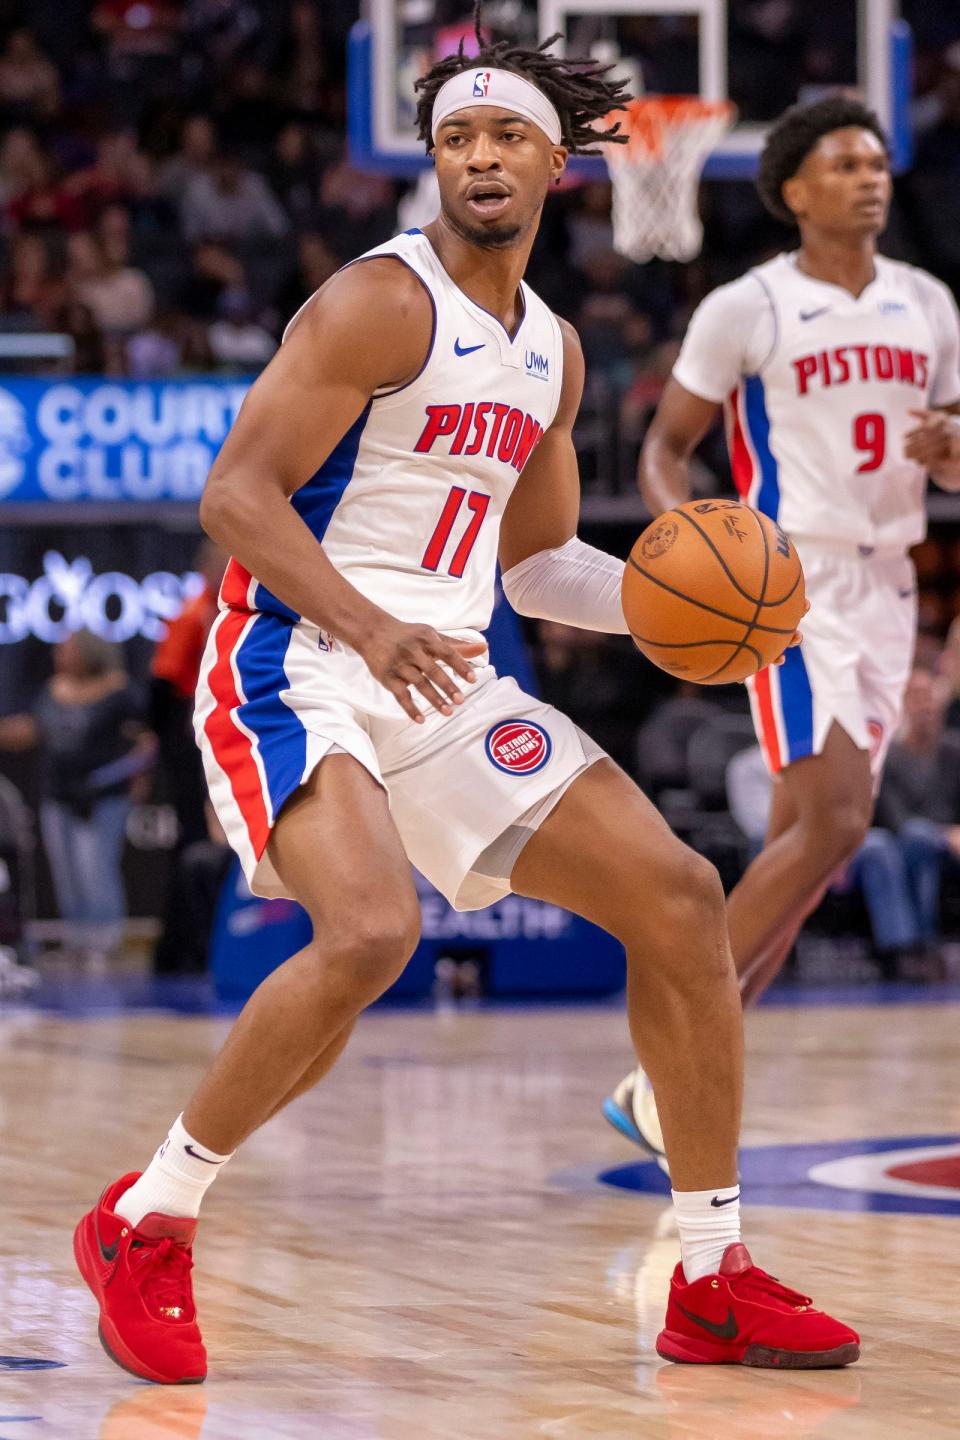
(274, 698)
(852, 668)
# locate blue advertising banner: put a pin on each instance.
(97, 440)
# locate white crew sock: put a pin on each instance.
(176, 1179)
(708, 1221)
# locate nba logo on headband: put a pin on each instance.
(481, 83)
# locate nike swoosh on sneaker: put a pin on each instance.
(727, 1331)
(108, 1252)
(812, 314)
(466, 349)
(190, 1151)
(716, 1202)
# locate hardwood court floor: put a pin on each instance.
(420, 1250)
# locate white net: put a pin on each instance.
(655, 176)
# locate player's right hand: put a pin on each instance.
(412, 657)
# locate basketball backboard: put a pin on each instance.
(669, 46)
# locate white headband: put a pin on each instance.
(496, 87)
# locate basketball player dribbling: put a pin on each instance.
(838, 371)
(415, 424)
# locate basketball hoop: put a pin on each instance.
(655, 175)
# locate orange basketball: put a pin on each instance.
(713, 591)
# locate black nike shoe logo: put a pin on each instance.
(716, 1202)
(190, 1151)
(727, 1331)
(108, 1252)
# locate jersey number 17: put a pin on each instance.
(477, 504)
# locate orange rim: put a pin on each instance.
(646, 121)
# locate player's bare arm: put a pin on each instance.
(368, 328)
(935, 442)
(681, 421)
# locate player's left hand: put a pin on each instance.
(795, 640)
(934, 441)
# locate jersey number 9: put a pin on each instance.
(870, 438)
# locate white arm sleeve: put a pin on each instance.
(574, 584)
(730, 334)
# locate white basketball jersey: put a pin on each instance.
(818, 386)
(409, 503)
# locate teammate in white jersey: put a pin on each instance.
(350, 721)
(838, 373)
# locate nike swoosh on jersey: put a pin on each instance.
(812, 314)
(466, 349)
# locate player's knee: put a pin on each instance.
(370, 952)
(693, 894)
(838, 833)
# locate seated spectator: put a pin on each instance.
(161, 348)
(303, 65)
(236, 339)
(880, 869)
(249, 113)
(231, 203)
(356, 209)
(119, 173)
(194, 157)
(175, 669)
(88, 722)
(199, 870)
(21, 164)
(137, 35)
(119, 295)
(29, 83)
(214, 269)
(590, 227)
(46, 202)
(948, 666)
(316, 262)
(221, 29)
(34, 292)
(202, 856)
(90, 352)
(920, 797)
(294, 172)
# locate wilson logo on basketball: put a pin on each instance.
(518, 747)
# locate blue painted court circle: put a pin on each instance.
(905, 1175)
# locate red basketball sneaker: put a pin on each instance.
(141, 1279)
(743, 1316)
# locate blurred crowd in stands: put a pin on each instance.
(174, 179)
(174, 183)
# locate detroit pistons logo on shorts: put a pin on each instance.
(518, 747)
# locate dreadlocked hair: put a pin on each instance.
(576, 88)
(795, 134)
